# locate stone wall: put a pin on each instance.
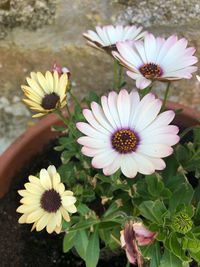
(36, 33)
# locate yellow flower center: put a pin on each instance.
(50, 101)
(50, 200)
(124, 141)
(151, 70)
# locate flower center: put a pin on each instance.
(151, 70)
(50, 201)
(50, 101)
(124, 141)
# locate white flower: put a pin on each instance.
(45, 201)
(126, 132)
(106, 37)
(156, 59)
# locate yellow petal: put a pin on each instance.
(71, 209)
(60, 188)
(51, 170)
(35, 86)
(56, 180)
(68, 193)
(34, 216)
(43, 221)
(52, 224)
(22, 219)
(31, 200)
(56, 81)
(49, 79)
(24, 193)
(34, 180)
(43, 83)
(27, 208)
(68, 200)
(65, 214)
(34, 189)
(45, 179)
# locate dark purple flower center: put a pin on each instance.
(151, 70)
(50, 200)
(124, 141)
(50, 101)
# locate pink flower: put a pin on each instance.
(156, 59)
(128, 133)
(135, 234)
(60, 70)
(143, 235)
(106, 37)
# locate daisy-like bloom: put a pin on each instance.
(156, 59)
(135, 234)
(126, 132)
(46, 93)
(45, 201)
(105, 38)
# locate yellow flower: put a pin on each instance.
(45, 201)
(45, 93)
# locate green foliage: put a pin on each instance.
(165, 202)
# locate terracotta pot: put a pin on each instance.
(33, 140)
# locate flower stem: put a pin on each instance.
(115, 239)
(128, 264)
(165, 96)
(117, 78)
(60, 115)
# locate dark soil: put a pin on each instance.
(18, 246)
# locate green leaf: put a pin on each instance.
(153, 210)
(170, 260)
(81, 243)
(83, 225)
(176, 247)
(153, 252)
(68, 241)
(182, 195)
(83, 209)
(93, 250)
(154, 184)
(192, 244)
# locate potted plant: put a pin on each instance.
(113, 190)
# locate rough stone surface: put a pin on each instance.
(36, 33)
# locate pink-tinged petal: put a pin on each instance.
(163, 119)
(113, 167)
(102, 34)
(100, 116)
(124, 62)
(141, 83)
(128, 53)
(150, 47)
(169, 129)
(158, 164)
(166, 139)
(91, 152)
(143, 235)
(135, 100)
(102, 160)
(179, 63)
(91, 119)
(179, 74)
(144, 165)
(93, 143)
(139, 45)
(106, 110)
(133, 75)
(165, 47)
(112, 104)
(155, 150)
(148, 114)
(86, 129)
(174, 50)
(91, 35)
(124, 106)
(141, 105)
(112, 34)
(128, 166)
